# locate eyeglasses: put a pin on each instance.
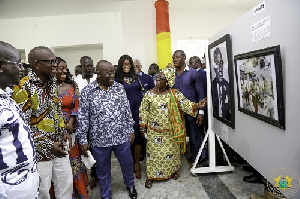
(11, 62)
(160, 79)
(51, 62)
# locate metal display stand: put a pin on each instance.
(210, 135)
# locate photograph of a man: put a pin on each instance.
(220, 86)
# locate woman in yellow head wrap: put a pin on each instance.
(162, 125)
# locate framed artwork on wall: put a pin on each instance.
(259, 85)
(222, 80)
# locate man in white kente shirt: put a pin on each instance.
(19, 178)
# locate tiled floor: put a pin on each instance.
(213, 186)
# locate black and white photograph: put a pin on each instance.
(222, 80)
(259, 82)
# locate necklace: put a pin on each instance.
(60, 84)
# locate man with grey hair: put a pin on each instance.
(38, 98)
(146, 81)
(18, 173)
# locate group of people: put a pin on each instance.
(48, 120)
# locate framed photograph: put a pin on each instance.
(259, 85)
(222, 80)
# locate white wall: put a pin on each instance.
(264, 146)
(68, 30)
(72, 54)
(121, 26)
(199, 24)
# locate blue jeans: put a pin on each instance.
(196, 136)
(102, 156)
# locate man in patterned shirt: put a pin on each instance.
(105, 115)
(18, 174)
(37, 96)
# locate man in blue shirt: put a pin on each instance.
(188, 81)
(105, 115)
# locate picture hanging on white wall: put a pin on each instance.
(259, 85)
(222, 80)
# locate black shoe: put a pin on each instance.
(254, 178)
(132, 192)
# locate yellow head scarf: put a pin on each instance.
(170, 75)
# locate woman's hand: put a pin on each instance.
(132, 136)
(143, 132)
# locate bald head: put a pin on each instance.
(105, 74)
(8, 52)
(10, 65)
(39, 53)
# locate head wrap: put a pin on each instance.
(170, 75)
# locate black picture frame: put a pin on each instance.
(222, 80)
(260, 85)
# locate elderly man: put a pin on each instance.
(188, 81)
(87, 76)
(18, 174)
(104, 114)
(37, 96)
(146, 80)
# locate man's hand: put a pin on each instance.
(131, 138)
(200, 119)
(70, 128)
(84, 148)
(57, 150)
(68, 137)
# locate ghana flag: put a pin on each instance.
(163, 35)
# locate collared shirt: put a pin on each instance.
(42, 113)
(83, 82)
(190, 84)
(17, 154)
(104, 116)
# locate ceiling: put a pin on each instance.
(38, 8)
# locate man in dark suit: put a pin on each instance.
(220, 93)
(146, 80)
(195, 63)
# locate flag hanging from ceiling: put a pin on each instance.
(163, 35)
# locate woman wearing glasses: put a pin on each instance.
(129, 79)
(68, 94)
(162, 124)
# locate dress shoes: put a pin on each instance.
(254, 178)
(132, 192)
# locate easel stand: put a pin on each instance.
(210, 135)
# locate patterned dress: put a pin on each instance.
(163, 155)
(69, 106)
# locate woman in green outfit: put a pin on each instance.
(162, 124)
